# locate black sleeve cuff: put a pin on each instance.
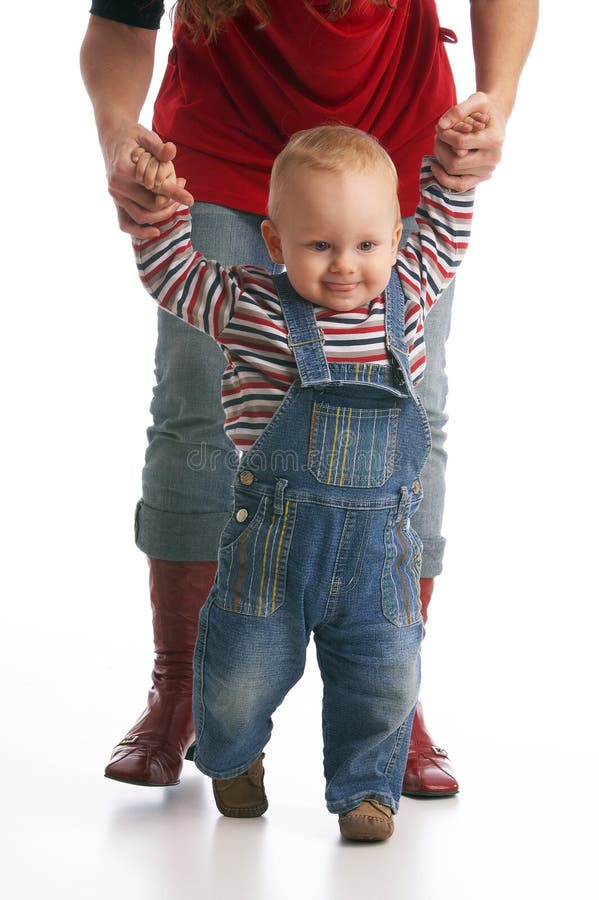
(139, 13)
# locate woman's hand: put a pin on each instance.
(138, 206)
(468, 143)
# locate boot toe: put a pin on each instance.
(428, 770)
(429, 774)
(143, 765)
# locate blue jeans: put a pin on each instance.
(245, 666)
(190, 462)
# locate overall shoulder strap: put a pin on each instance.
(305, 338)
(395, 325)
(395, 313)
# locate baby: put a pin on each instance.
(319, 400)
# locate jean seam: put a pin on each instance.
(338, 588)
(325, 724)
(200, 653)
(393, 755)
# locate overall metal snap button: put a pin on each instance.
(246, 477)
(241, 515)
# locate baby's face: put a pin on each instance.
(337, 234)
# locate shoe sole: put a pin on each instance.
(366, 835)
(142, 783)
(429, 795)
(366, 838)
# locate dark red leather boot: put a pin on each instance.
(428, 772)
(152, 752)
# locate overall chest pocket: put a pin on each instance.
(252, 558)
(352, 447)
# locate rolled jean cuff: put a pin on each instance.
(189, 537)
(432, 557)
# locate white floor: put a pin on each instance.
(510, 695)
(510, 658)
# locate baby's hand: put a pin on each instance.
(150, 172)
(477, 121)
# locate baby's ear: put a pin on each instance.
(272, 240)
(397, 237)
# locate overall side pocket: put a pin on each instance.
(400, 582)
(252, 560)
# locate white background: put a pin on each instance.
(510, 656)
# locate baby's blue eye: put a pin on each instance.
(366, 245)
(321, 245)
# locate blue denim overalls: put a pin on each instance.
(320, 542)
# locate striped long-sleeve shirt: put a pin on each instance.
(240, 309)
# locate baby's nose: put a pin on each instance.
(344, 262)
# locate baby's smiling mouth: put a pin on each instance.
(343, 287)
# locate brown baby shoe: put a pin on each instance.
(242, 797)
(370, 821)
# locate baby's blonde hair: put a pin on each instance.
(329, 148)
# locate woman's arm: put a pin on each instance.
(502, 35)
(117, 61)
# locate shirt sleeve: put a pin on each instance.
(140, 13)
(431, 256)
(200, 291)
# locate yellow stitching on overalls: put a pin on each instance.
(278, 557)
(349, 412)
(415, 570)
(402, 577)
(373, 445)
(264, 557)
(370, 372)
(415, 567)
(330, 475)
(240, 571)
